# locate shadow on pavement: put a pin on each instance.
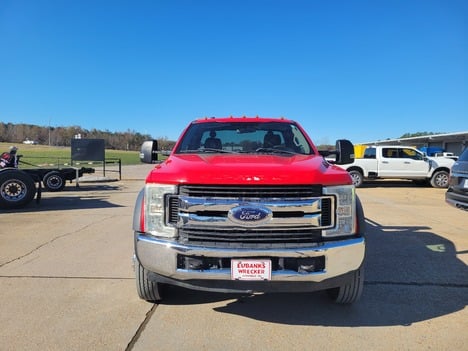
(398, 183)
(412, 275)
(71, 198)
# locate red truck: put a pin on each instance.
(248, 204)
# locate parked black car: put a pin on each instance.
(457, 192)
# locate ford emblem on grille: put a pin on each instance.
(249, 215)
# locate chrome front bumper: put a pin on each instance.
(160, 257)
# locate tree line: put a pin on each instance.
(62, 136)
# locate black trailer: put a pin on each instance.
(54, 179)
(18, 187)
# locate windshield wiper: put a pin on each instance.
(206, 149)
(209, 149)
(268, 150)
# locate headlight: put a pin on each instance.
(155, 209)
(345, 207)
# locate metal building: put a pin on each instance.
(450, 142)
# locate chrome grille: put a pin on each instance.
(299, 214)
(250, 238)
(251, 191)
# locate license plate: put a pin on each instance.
(250, 269)
(465, 184)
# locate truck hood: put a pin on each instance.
(441, 161)
(247, 169)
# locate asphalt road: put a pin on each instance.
(67, 282)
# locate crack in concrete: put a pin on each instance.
(141, 328)
(49, 242)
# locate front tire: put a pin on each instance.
(440, 179)
(351, 291)
(148, 290)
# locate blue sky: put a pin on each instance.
(362, 70)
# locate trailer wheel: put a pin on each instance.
(54, 181)
(17, 189)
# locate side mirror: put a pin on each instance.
(343, 153)
(149, 151)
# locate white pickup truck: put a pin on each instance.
(400, 162)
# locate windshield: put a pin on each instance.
(251, 137)
(464, 156)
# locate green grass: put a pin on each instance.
(44, 155)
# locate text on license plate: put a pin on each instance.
(250, 269)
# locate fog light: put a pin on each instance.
(194, 263)
(306, 268)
